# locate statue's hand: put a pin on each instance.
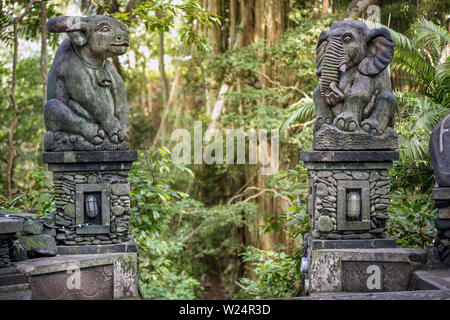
(335, 96)
(113, 129)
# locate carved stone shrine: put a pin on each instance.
(354, 145)
(86, 143)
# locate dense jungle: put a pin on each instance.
(220, 230)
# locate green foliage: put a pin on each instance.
(152, 196)
(412, 222)
(291, 185)
(38, 197)
(162, 16)
(276, 272)
(153, 205)
(161, 277)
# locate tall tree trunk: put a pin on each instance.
(165, 90)
(325, 4)
(12, 95)
(44, 50)
(233, 22)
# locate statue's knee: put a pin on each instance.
(388, 98)
(53, 108)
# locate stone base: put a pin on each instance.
(431, 280)
(363, 270)
(316, 244)
(441, 196)
(400, 295)
(82, 277)
(129, 246)
(62, 141)
(99, 174)
(331, 138)
(349, 193)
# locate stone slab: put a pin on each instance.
(93, 283)
(16, 292)
(440, 194)
(372, 276)
(355, 165)
(64, 262)
(105, 166)
(12, 278)
(93, 230)
(90, 156)
(10, 225)
(352, 156)
(401, 295)
(129, 246)
(326, 267)
(83, 276)
(331, 138)
(431, 280)
(317, 244)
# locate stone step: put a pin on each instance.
(396, 295)
(15, 292)
(8, 270)
(431, 280)
(11, 279)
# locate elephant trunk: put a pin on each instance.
(333, 64)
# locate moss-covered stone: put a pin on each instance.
(33, 227)
(39, 245)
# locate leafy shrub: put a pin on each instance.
(277, 275)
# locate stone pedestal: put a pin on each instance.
(8, 229)
(441, 196)
(358, 265)
(103, 276)
(348, 193)
(92, 195)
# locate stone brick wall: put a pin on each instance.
(324, 203)
(65, 197)
(4, 253)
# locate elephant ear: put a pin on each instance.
(77, 28)
(320, 50)
(380, 50)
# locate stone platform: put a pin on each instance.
(82, 277)
(348, 194)
(331, 138)
(364, 270)
(100, 178)
(376, 265)
(399, 295)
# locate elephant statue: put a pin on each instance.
(87, 106)
(354, 94)
(440, 152)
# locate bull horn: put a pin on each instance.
(66, 24)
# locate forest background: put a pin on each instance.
(224, 231)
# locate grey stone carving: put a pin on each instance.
(87, 106)
(440, 158)
(92, 193)
(354, 103)
(440, 152)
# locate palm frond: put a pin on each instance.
(305, 112)
(443, 79)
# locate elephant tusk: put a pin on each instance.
(342, 68)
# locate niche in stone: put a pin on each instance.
(353, 205)
(92, 207)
